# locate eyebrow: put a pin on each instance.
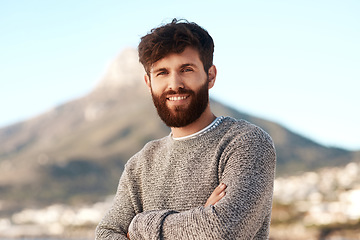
(158, 70)
(188, 65)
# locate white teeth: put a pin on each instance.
(177, 98)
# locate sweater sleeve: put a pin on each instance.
(115, 223)
(248, 168)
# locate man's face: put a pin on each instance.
(179, 87)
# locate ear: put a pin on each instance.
(212, 76)
(147, 80)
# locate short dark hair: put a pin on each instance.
(174, 37)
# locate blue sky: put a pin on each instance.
(293, 62)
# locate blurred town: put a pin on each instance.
(312, 205)
(318, 205)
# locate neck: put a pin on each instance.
(203, 121)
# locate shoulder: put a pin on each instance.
(242, 130)
(242, 138)
(247, 142)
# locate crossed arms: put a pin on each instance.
(215, 196)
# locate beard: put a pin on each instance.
(182, 116)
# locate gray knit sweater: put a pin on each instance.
(164, 187)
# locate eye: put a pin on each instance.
(161, 73)
(188, 69)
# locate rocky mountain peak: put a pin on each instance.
(124, 70)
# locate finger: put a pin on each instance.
(216, 195)
(219, 189)
(219, 193)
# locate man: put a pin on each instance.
(174, 188)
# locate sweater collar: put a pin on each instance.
(211, 126)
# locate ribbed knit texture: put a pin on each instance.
(164, 187)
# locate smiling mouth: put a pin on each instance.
(178, 98)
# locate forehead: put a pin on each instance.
(174, 60)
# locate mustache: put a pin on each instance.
(179, 91)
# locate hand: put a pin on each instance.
(128, 236)
(216, 195)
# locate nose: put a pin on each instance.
(175, 82)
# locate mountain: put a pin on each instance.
(75, 153)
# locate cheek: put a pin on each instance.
(198, 82)
(157, 88)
